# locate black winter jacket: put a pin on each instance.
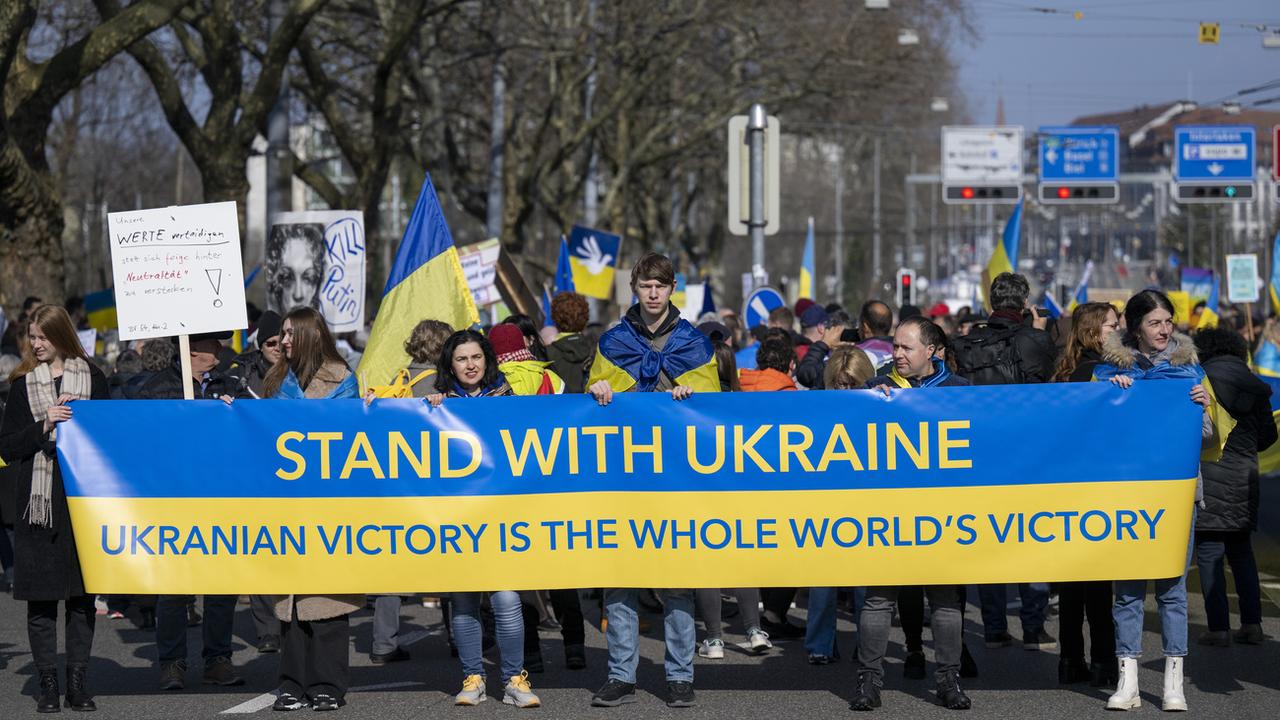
(46, 565)
(571, 358)
(1231, 483)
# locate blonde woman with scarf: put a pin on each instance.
(54, 374)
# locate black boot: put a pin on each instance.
(49, 699)
(78, 697)
(1072, 670)
(1104, 674)
(950, 695)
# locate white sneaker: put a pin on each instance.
(519, 693)
(1174, 700)
(758, 640)
(711, 649)
(473, 691)
(1126, 696)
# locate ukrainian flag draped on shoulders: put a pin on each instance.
(627, 359)
(426, 282)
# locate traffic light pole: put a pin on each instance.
(756, 123)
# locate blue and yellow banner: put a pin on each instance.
(721, 490)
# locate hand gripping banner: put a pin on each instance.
(832, 488)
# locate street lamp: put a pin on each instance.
(907, 36)
(939, 105)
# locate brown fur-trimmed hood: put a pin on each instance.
(1118, 350)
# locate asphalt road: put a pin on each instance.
(1240, 682)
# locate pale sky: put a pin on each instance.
(1051, 67)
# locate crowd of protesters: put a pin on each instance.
(650, 349)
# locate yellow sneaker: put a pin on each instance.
(473, 691)
(519, 693)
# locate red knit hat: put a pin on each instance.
(508, 343)
(803, 304)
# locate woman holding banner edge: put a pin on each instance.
(54, 374)
(1090, 323)
(1150, 349)
(314, 664)
(468, 367)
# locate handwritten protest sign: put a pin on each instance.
(316, 259)
(177, 270)
(480, 266)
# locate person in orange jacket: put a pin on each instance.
(775, 361)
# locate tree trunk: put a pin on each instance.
(31, 260)
(224, 179)
(31, 226)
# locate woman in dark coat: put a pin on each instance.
(54, 373)
(1230, 510)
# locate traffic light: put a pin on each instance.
(906, 287)
(979, 194)
(1214, 192)
(1079, 194)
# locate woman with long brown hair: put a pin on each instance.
(54, 373)
(312, 368)
(314, 664)
(1090, 324)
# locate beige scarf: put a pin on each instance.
(42, 395)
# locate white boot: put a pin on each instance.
(1126, 696)
(1174, 699)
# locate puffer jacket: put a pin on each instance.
(1231, 483)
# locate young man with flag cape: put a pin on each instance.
(652, 349)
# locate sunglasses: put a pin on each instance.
(271, 344)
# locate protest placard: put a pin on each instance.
(316, 258)
(177, 270)
(480, 266)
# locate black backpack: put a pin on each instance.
(988, 356)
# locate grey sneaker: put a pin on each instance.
(758, 640)
(711, 649)
(173, 676)
(1250, 634)
(473, 691)
(518, 692)
(219, 671)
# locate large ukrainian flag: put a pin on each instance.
(426, 282)
(1005, 256)
(806, 265)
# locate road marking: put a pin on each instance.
(265, 700)
(262, 702)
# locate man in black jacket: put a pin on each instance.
(1011, 348)
(1229, 513)
(171, 610)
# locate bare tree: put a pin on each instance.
(31, 220)
(217, 57)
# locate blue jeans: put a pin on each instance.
(1211, 548)
(215, 628)
(995, 602)
(820, 627)
(624, 633)
(468, 634)
(1171, 598)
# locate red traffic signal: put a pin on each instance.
(1064, 193)
(966, 193)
